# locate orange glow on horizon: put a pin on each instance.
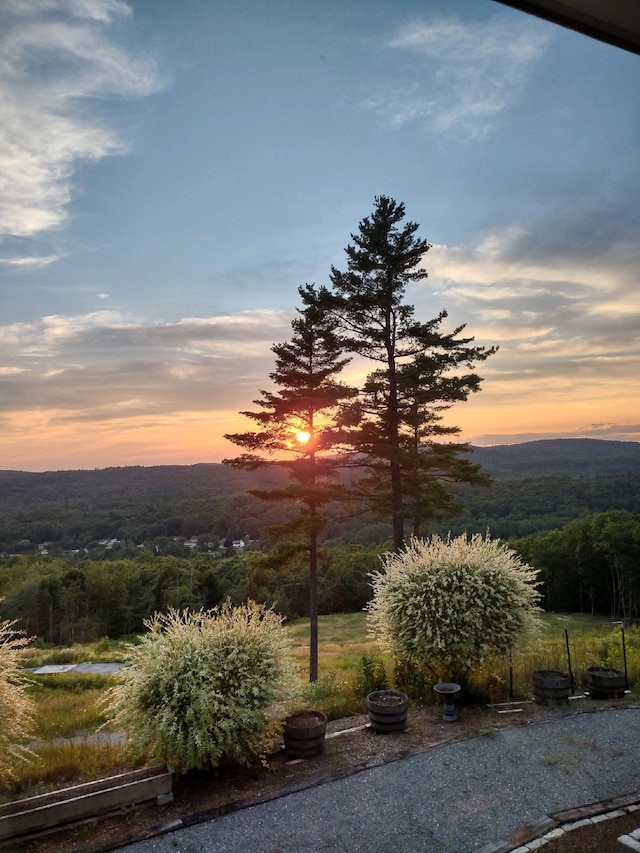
(49, 440)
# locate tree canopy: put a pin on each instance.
(296, 432)
(395, 424)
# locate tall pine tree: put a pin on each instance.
(420, 371)
(296, 431)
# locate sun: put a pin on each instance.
(303, 436)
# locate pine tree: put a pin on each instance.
(297, 428)
(396, 420)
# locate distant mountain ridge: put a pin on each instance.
(537, 485)
(559, 457)
(543, 456)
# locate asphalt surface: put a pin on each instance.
(455, 798)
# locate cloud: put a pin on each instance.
(465, 74)
(31, 262)
(558, 293)
(553, 318)
(105, 366)
(609, 432)
(57, 61)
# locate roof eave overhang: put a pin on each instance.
(616, 22)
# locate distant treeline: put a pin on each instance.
(590, 565)
(537, 486)
(64, 602)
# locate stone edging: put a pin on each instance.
(536, 834)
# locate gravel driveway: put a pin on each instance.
(455, 798)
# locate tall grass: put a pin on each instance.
(73, 762)
(342, 640)
(63, 711)
(65, 748)
(593, 641)
(105, 650)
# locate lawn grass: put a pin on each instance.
(342, 640)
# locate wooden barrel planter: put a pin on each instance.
(550, 685)
(605, 682)
(388, 710)
(304, 733)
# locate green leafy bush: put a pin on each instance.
(16, 709)
(203, 686)
(452, 603)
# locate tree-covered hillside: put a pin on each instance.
(537, 486)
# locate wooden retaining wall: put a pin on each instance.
(35, 814)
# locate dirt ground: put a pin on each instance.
(350, 746)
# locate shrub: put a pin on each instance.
(16, 709)
(452, 603)
(203, 686)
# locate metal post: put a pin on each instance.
(624, 657)
(510, 677)
(566, 636)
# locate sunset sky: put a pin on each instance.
(170, 173)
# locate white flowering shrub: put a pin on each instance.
(16, 709)
(450, 604)
(204, 686)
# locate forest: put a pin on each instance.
(536, 486)
(590, 565)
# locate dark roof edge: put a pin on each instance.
(567, 15)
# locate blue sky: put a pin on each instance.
(170, 173)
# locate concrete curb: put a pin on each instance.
(549, 827)
(629, 842)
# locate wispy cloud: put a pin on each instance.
(106, 365)
(58, 59)
(464, 74)
(34, 262)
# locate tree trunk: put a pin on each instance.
(313, 602)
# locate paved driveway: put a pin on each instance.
(452, 799)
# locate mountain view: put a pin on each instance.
(536, 486)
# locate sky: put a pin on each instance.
(171, 173)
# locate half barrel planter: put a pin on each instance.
(388, 710)
(550, 686)
(304, 733)
(605, 682)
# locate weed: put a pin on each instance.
(336, 699)
(372, 674)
